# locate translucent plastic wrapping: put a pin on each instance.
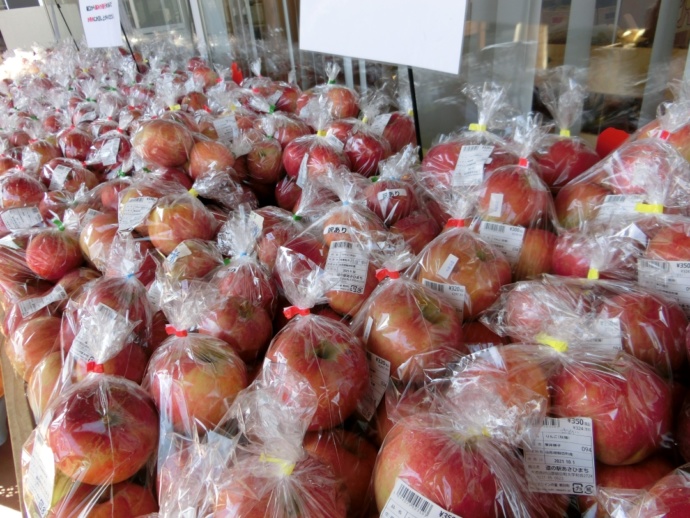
(342, 102)
(208, 155)
(465, 159)
(264, 160)
(283, 127)
(277, 227)
(63, 174)
(563, 157)
(163, 142)
(280, 95)
(74, 143)
(191, 259)
(671, 125)
(222, 188)
(321, 349)
(398, 128)
(111, 154)
(92, 440)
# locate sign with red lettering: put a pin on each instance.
(101, 21)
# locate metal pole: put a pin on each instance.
(417, 126)
(288, 32)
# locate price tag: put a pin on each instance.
(90, 214)
(385, 196)
(447, 266)
(335, 142)
(303, 174)
(154, 294)
(561, 460)
(105, 324)
(107, 155)
(8, 242)
(379, 374)
(618, 205)
(346, 260)
(455, 293)
(669, 277)
(227, 128)
(257, 223)
(22, 218)
(57, 180)
(31, 306)
(508, 239)
(336, 229)
(608, 333)
(182, 250)
(469, 169)
(405, 502)
(40, 478)
(496, 205)
(134, 212)
(634, 232)
(379, 125)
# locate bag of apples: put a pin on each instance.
(671, 118)
(273, 475)
(280, 95)
(341, 102)
(91, 450)
(562, 158)
(398, 128)
(464, 159)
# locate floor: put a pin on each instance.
(9, 498)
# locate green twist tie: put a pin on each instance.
(147, 170)
(375, 179)
(271, 109)
(331, 82)
(296, 217)
(226, 261)
(121, 173)
(59, 225)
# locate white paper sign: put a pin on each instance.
(405, 502)
(30, 306)
(101, 22)
(384, 28)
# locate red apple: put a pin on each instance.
(192, 259)
(639, 168)
(332, 360)
(536, 254)
(679, 138)
(264, 161)
(8, 163)
(322, 156)
(97, 237)
(400, 131)
(39, 153)
(289, 128)
(125, 499)
(365, 150)
(669, 497)
(103, 431)
(194, 101)
(476, 333)
(563, 160)
(629, 404)
(287, 193)
(109, 153)
(177, 218)
(71, 180)
(418, 230)
(53, 253)
(671, 243)
(579, 202)
(173, 175)
(209, 155)
(75, 143)
(42, 382)
(20, 190)
(355, 222)
(343, 102)
(162, 142)
(346, 298)
(74, 284)
(32, 341)
(195, 379)
(129, 363)
(248, 281)
(391, 200)
(110, 193)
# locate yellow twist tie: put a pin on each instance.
(175, 108)
(477, 127)
(559, 345)
(565, 132)
(286, 467)
(593, 274)
(410, 112)
(233, 108)
(194, 192)
(321, 133)
(650, 208)
(486, 432)
(365, 119)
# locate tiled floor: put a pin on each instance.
(9, 498)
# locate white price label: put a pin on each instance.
(107, 155)
(336, 229)
(379, 125)
(508, 239)
(257, 223)
(90, 214)
(227, 128)
(379, 374)
(496, 205)
(22, 218)
(469, 169)
(447, 266)
(303, 174)
(30, 306)
(618, 205)
(346, 260)
(634, 232)
(335, 142)
(669, 277)
(608, 333)
(455, 293)
(405, 502)
(182, 250)
(134, 212)
(561, 460)
(57, 179)
(40, 478)
(385, 196)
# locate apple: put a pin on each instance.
(97, 237)
(110, 193)
(104, 430)
(341, 129)
(562, 160)
(8, 163)
(246, 327)
(76, 177)
(106, 163)
(342, 102)
(440, 464)
(365, 150)
(652, 329)
(264, 161)
(349, 301)
(194, 380)
(42, 382)
(52, 253)
(206, 75)
(356, 222)
(579, 202)
(39, 153)
(173, 175)
(124, 499)
(407, 320)
(75, 143)
(33, 340)
(74, 284)
(400, 131)
(194, 101)
(19, 138)
(272, 239)
(20, 190)
(256, 489)
(629, 404)
(391, 200)
(288, 128)
(639, 168)
(177, 218)
(209, 155)
(185, 119)
(514, 196)
(536, 254)
(287, 193)
(163, 142)
(129, 363)
(192, 259)
(288, 101)
(146, 268)
(331, 359)
(478, 266)
(159, 334)
(679, 138)
(247, 280)
(669, 497)
(418, 229)
(670, 243)
(476, 333)
(352, 460)
(322, 156)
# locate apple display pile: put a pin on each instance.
(249, 300)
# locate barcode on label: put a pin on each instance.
(434, 285)
(417, 501)
(496, 227)
(551, 422)
(615, 198)
(654, 265)
(342, 244)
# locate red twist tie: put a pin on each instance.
(172, 331)
(110, 118)
(120, 131)
(523, 162)
(455, 223)
(293, 311)
(95, 367)
(207, 109)
(665, 135)
(385, 272)
(219, 80)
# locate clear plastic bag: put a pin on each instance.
(163, 142)
(342, 102)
